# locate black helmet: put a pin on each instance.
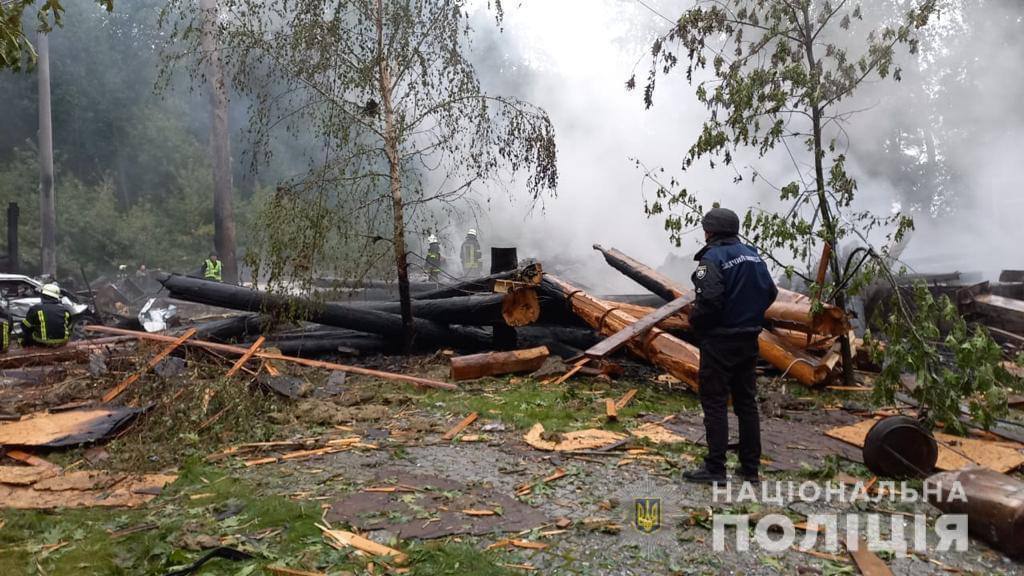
(721, 221)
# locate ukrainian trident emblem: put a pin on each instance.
(647, 514)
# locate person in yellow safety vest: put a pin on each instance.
(434, 259)
(47, 323)
(472, 260)
(212, 268)
(5, 333)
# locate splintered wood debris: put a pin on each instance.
(43, 488)
(66, 428)
(657, 434)
(591, 439)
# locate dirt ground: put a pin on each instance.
(451, 505)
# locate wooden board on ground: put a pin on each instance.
(81, 489)
(867, 561)
(67, 428)
(955, 452)
(592, 439)
(495, 363)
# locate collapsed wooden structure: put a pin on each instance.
(478, 314)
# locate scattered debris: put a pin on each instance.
(460, 426)
(411, 499)
(67, 428)
(591, 439)
(156, 319)
(77, 489)
(657, 434)
(343, 538)
(218, 552)
(955, 452)
(527, 488)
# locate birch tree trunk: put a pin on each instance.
(395, 179)
(47, 202)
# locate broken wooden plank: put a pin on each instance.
(245, 357)
(343, 538)
(67, 428)
(495, 363)
(679, 358)
(637, 329)
(867, 561)
(462, 425)
(425, 382)
(31, 459)
(116, 390)
(610, 411)
(622, 402)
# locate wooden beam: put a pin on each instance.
(638, 328)
(245, 357)
(116, 390)
(425, 382)
(495, 363)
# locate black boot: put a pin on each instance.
(704, 476)
(751, 477)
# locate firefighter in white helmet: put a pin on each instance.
(47, 323)
(472, 258)
(434, 259)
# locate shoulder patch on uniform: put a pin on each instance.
(702, 271)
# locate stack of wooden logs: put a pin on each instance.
(800, 340)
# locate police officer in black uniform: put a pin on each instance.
(734, 289)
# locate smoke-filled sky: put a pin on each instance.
(572, 57)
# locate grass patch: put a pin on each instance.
(204, 503)
(440, 559)
(576, 404)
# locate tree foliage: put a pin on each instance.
(331, 69)
(15, 48)
(953, 367)
(779, 74)
(774, 73)
(132, 166)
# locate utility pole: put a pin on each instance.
(47, 202)
(223, 209)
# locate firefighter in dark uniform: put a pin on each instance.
(734, 289)
(434, 259)
(47, 323)
(472, 260)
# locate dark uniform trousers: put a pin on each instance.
(727, 367)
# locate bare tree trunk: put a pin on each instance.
(823, 204)
(223, 210)
(395, 178)
(47, 202)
